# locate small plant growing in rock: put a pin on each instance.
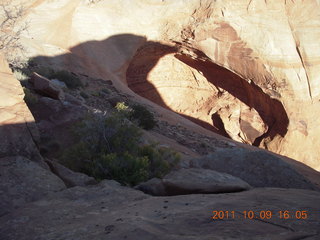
(143, 116)
(71, 80)
(110, 147)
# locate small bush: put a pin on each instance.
(162, 159)
(110, 148)
(143, 116)
(44, 71)
(126, 168)
(71, 80)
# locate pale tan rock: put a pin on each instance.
(17, 127)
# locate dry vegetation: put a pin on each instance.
(11, 32)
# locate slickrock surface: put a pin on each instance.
(23, 181)
(248, 70)
(193, 181)
(109, 211)
(17, 128)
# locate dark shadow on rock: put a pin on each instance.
(270, 110)
(99, 57)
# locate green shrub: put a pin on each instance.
(71, 80)
(143, 116)
(110, 148)
(162, 160)
(44, 71)
(125, 168)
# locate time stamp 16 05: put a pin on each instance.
(263, 214)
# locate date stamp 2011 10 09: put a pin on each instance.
(263, 214)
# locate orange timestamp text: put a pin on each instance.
(263, 214)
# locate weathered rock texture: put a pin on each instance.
(193, 181)
(248, 69)
(23, 181)
(109, 211)
(259, 168)
(18, 132)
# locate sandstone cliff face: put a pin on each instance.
(248, 70)
(17, 127)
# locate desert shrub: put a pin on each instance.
(21, 76)
(11, 31)
(143, 116)
(162, 160)
(110, 148)
(29, 97)
(126, 168)
(71, 80)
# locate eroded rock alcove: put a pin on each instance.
(190, 84)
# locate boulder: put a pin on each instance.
(153, 187)
(69, 177)
(197, 180)
(110, 211)
(23, 181)
(45, 87)
(258, 168)
(193, 181)
(59, 83)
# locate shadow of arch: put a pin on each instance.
(133, 57)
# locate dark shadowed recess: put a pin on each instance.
(271, 110)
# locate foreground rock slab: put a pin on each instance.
(18, 131)
(109, 211)
(258, 168)
(192, 181)
(69, 177)
(22, 181)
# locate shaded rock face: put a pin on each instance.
(258, 86)
(23, 181)
(18, 131)
(109, 211)
(69, 177)
(46, 87)
(193, 181)
(55, 120)
(258, 168)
